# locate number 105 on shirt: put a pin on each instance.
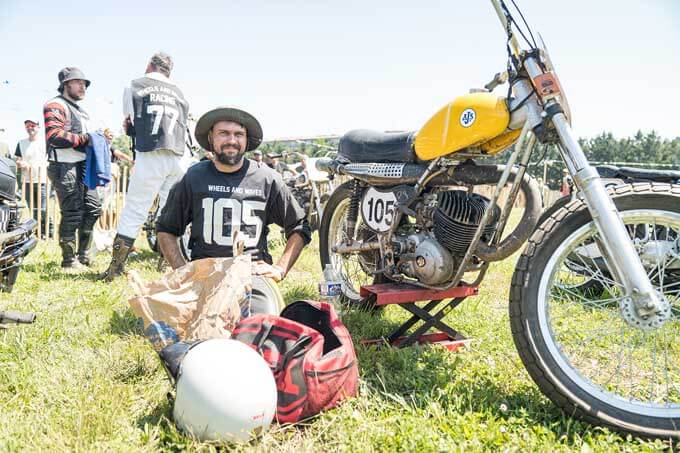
(215, 212)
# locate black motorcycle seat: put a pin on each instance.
(641, 174)
(362, 145)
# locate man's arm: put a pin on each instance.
(128, 108)
(287, 214)
(292, 251)
(55, 120)
(18, 157)
(121, 155)
(169, 245)
(173, 221)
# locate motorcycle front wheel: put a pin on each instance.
(353, 269)
(589, 352)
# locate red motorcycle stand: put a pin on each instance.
(406, 296)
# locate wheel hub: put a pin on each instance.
(646, 322)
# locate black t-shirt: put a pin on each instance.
(216, 203)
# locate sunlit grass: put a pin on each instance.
(82, 377)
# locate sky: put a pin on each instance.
(308, 68)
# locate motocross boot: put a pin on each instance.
(84, 246)
(121, 250)
(68, 256)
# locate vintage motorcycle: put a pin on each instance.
(16, 239)
(311, 189)
(410, 214)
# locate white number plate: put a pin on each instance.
(378, 209)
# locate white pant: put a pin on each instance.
(154, 173)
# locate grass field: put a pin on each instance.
(82, 378)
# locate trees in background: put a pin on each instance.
(642, 148)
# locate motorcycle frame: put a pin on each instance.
(524, 147)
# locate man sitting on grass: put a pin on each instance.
(229, 193)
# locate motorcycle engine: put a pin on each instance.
(424, 258)
(457, 217)
(432, 256)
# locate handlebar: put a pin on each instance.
(499, 79)
(327, 165)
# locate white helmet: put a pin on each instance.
(225, 391)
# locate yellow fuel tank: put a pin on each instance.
(468, 120)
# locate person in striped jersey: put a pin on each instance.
(66, 128)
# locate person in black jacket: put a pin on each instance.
(66, 128)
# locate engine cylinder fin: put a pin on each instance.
(457, 217)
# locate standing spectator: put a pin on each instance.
(31, 158)
(257, 156)
(156, 116)
(66, 133)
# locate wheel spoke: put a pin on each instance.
(592, 328)
(588, 302)
(598, 275)
(351, 267)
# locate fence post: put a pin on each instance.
(47, 209)
(39, 203)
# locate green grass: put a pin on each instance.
(83, 378)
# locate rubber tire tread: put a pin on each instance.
(520, 305)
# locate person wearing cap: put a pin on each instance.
(31, 159)
(257, 155)
(230, 193)
(155, 115)
(66, 135)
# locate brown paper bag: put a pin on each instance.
(203, 299)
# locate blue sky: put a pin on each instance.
(324, 67)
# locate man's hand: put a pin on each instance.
(22, 164)
(126, 124)
(274, 272)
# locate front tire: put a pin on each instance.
(581, 349)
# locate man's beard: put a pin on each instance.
(74, 94)
(226, 159)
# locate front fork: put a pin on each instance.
(619, 250)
